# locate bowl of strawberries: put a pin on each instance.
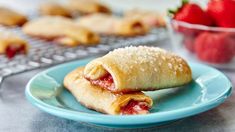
(205, 34)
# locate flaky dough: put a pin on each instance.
(7, 39)
(111, 25)
(140, 68)
(9, 17)
(87, 6)
(64, 30)
(97, 98)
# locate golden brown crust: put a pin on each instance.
(54, 9)
(88, 7)
(7, 39)
(97, 98)
(111, 25)
(140, 68)
(151, 18)
(9, 17)
(60, 29)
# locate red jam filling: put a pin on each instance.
(135, 107)
(137, 25)
(104, 82)
(11, 51)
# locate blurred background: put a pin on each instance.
(157, 5)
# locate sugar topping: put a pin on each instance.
(170, 65)
(144, 54)
(7, 35)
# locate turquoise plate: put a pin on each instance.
(208, 89)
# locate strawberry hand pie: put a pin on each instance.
(54, 9)
(85, 7)
(138, 69)
(61, 30)
(99, 99)
(11, 45)
(9, 17)
(110, 25)
(150, 18)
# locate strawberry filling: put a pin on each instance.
(104, 82)
(135, 107)
(12, 50)
(137, 25)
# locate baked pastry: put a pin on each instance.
(88, 7)
(60, 29)
(54, 9)
(106, 24)
(151, 18)
(11, 44)
(9, 17)
(138, 69)
(104, 101)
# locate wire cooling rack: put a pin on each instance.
(45, 54)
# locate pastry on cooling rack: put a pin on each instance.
(111, 25)
(138, 69)
(9, 17)
(54, 9)
(88, 6)
(11, 45)
(104, 101)
(61, 30)
(151, 18)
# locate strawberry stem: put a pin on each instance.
(172, 12)
(184, 2)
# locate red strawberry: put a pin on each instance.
(215, 47)
(223, 12)
(192, 13)
(189, 43)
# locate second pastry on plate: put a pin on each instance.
(102, 100)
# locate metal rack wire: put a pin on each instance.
(45, 54)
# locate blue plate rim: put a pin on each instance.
(126, 119)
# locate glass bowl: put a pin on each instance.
(211, 45)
